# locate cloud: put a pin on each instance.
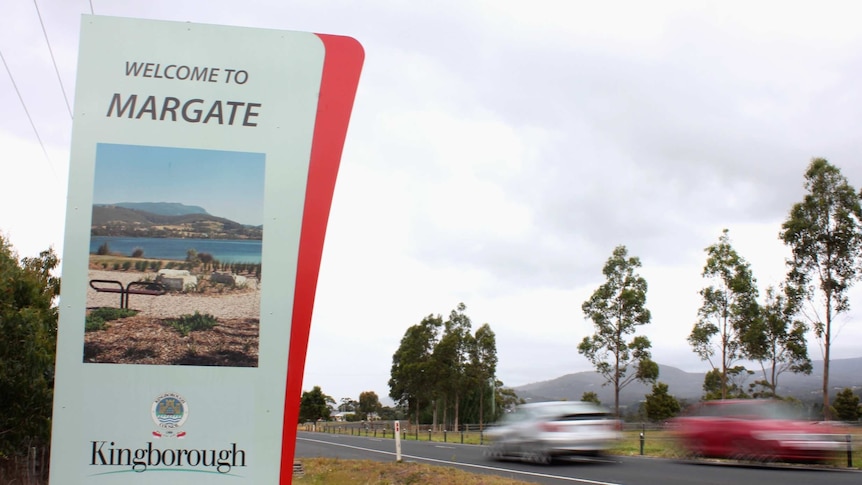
(499, 150)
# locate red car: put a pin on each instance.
(755, 429)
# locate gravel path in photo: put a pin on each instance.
(243, 304)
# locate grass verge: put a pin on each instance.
(334, 471)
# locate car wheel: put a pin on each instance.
(495, 451)
(744, 450)
(539, 455)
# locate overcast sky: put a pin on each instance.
(499, 151)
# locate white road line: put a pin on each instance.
(482, 467)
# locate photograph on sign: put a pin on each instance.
(175, 257)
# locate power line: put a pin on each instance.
(27, 112)
(53, 61)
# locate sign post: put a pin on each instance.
(398, 441)
(203, 162)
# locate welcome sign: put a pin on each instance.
(203, 162)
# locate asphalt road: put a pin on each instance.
(609, 470)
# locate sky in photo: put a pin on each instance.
(499, 150)
(226, 184)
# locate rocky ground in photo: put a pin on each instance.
(146, 338)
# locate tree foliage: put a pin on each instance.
(369, 403)
(451, 356)
(824, 233)
(729, 386)
(28, 326)
(441, 365)
(616, 309)
(483, 365)
(314, 405)
(660, 405)
(411, 378)
(590, 396)
(729, 313)
(846, 406)
(778, 342)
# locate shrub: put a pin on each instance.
(98, 319)
(190, 323)
(108, 314)
(138, 253)
(104, 249)
(94, 324)
(127, 265)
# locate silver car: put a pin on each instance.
(541, 432)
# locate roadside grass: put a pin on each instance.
(659, 444)
(335, 471)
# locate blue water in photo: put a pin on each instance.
(224, 250)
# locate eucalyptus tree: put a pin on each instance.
(778, 341)
(411, 378)
(824, 233)
(617, 308)
(729, 311)
(483, 364)
(451, 356)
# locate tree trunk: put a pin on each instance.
(827, 344)
(456, 412)
(481, 407)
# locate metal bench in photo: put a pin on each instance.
(148, 288)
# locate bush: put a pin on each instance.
(98, 319)
(138, 253)
(28, 326)
(190, 323)
(94, 324)
(104, 249)
(108, 314)
(127, 265)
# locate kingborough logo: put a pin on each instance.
(169, 412)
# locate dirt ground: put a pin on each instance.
(146, 338)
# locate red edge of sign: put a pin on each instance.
(341, 68)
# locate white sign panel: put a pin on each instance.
(190, 160)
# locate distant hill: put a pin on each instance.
(169, 220)
(689, 385)
(162, 208)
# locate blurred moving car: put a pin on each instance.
(541, 432)
(756, 430)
